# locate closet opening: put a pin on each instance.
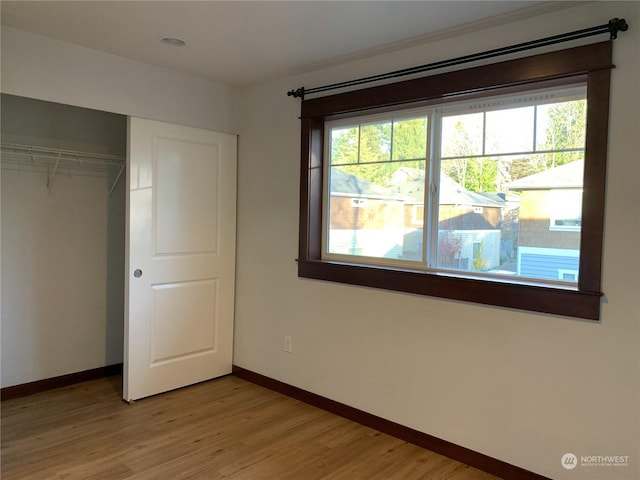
(63, 197)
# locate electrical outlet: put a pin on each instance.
(288, 344)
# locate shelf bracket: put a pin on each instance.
(53, 174)
(115, 182)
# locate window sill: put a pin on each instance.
(544, 298)
(564, 229)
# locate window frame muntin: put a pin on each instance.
(591, 62)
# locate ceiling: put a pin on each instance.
(246, 42)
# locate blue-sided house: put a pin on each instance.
(550, 222)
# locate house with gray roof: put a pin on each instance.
(550, 222)
(469, 223)
(364, 218)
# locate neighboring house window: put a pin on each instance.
(417, 217)
(471, 151)
(359, 202)
(567, 275)
(565, 210)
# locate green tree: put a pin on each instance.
(344, 145)
(523, 167)
(410, 139)
(459, 145)
(375, 142)
(481, 175)
(566, 129)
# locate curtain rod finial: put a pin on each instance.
(617, 25)
(296, 93)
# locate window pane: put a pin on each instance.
(561, 125)
(344, 145)
(471, 217)
(375, 142)
(509, 131)
(462, 135)
(511, 216)
(503, 209)
(376, 210)
(410, 139)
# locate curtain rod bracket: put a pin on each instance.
(299, 93)
(617, 25)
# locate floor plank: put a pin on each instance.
(223, 429)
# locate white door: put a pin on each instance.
(181, 224)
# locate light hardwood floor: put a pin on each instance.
(225, 428)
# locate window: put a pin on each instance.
(565, 210)
(483, 185)
(568, 275)
(486, 171)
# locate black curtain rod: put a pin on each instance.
(614, 26)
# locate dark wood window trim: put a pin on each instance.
(591, 63)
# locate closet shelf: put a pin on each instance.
(54, 160)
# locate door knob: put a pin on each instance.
(137, 273)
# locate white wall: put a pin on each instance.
(39, 67)
(525, 388)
